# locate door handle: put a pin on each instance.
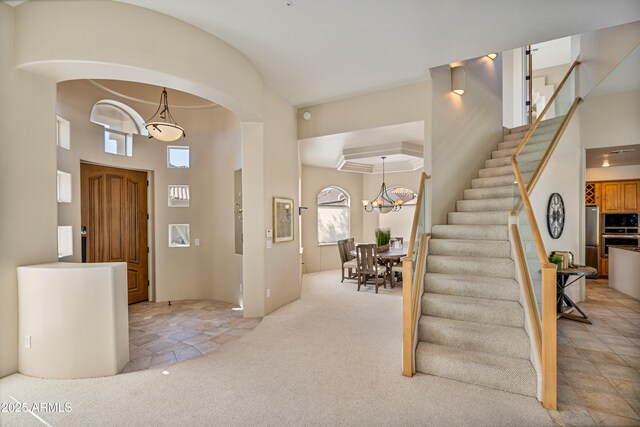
(83, 236)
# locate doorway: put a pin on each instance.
(114, 212)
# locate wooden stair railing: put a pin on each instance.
(544, 325)
(413, 266)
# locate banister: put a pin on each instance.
(410, 292)
(416, 213)
(546, 108)
(552, 146)
(544, 327)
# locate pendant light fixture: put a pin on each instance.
(383, 203)
(166, 130)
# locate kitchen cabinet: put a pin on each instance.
(604, 267)
(629, 196)
(620, 196)
(592, 194)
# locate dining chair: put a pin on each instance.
(394, 241)
(396, 274)
(368, 268)
(348, 261)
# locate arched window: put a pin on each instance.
(407, 195)
(333, 215)
(120, 123)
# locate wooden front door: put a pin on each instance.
(114, 211)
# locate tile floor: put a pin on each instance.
(599, 364)
(162, 334)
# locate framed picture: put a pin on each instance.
(282, 219)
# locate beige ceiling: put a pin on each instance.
(150, 94)
(319, 50)
(631, 156)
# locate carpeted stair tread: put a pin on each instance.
(523, 158)
(481, 205)
(495, 171)
(481, 266)
(508, 170)
(489, 192)
(475, 367)
(493, 181)
(540, 133)
(514, 140)
(472, 286)
(470, 232)
(474, 248)
(481, 310)
(502, 340)
(479, 218)
(472, 323)
(529, 148)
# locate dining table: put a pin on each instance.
(388, 258)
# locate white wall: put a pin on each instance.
(326, 257)
(282, 262)
(27, 183)
(610, 120)
(602, 51)
(567, 179)
(465, 129)
(553, 75)
(513, 89)
(213, 136)
(613, 173)
(66, 40)
(402, 104)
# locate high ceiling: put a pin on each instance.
(318, 50)
(623, 155)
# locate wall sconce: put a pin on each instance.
(492, 56)
(457, 80)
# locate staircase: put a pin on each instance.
(472, 323)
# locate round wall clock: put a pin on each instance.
(555, 215)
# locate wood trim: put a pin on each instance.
(416, 214)
(552, 146)
(408, 303)
(529, 297)
(544, 111)
(407, 331)
(549, 338)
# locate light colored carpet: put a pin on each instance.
(331, 358)
(472, 324)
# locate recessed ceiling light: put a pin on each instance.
(605, 164)
(288, 3)
(165, 372)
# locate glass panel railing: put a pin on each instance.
(421, 229)
(554, 114)
(531, 257)
(528, 161)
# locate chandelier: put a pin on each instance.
(167, 130)
(383, 202)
